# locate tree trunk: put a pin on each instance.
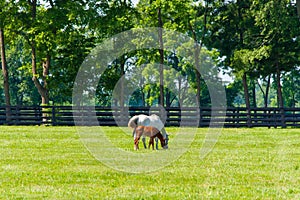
(247, 101)
(198, 75)
(279, 87)
(254, 104)
(168, 97)
(197, 66)
(298, 7)
(161, 58)
(45, 93)
(5, 76)
(267, 91)
(122, 74)
(124, 116)
(265, 94)
(198, 48)
(246, 91)
(180, 103)
(42, 89)
(279, 95)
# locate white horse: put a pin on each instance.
(152, 120)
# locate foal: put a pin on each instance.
(149, 131)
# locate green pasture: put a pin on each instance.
(40, 162)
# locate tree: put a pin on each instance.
(291, 87)
(158, 5)
(59, 36)
(280, 31)
(5, 74)
(3, 20)
(298, 7)
(120, 17)
(230, 33)
(197, 26)
(266, 92)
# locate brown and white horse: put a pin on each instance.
(149, 131)
(149, 121)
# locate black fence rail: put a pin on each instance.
(173, 116)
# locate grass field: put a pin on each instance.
(52, 163)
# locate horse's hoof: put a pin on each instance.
(166, 147)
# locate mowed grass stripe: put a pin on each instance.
(52, 163)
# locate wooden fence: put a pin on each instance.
(190, 116)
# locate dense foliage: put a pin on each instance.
(255, 42)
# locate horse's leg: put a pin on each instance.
(135, 140)
(144, 142)
(156, 143)
(167, 141)
(136, 143)
(138, 134)
(151, 143)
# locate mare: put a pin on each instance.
(152, 120)
(149, 131)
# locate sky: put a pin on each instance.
(135, 1)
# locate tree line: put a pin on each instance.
(256, 42)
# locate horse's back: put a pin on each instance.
(156, 121)
(139, 120)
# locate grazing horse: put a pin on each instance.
(152, 120)
(149, 131)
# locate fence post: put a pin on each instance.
(53, 116)
(249, 121)
(167, 115)
(238, 117)
(17, 115)
(200, 117)
(282, 118)
(268, 116)
(8, 114)
(276, 117)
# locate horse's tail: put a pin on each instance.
(133, 132)
(133, 122)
